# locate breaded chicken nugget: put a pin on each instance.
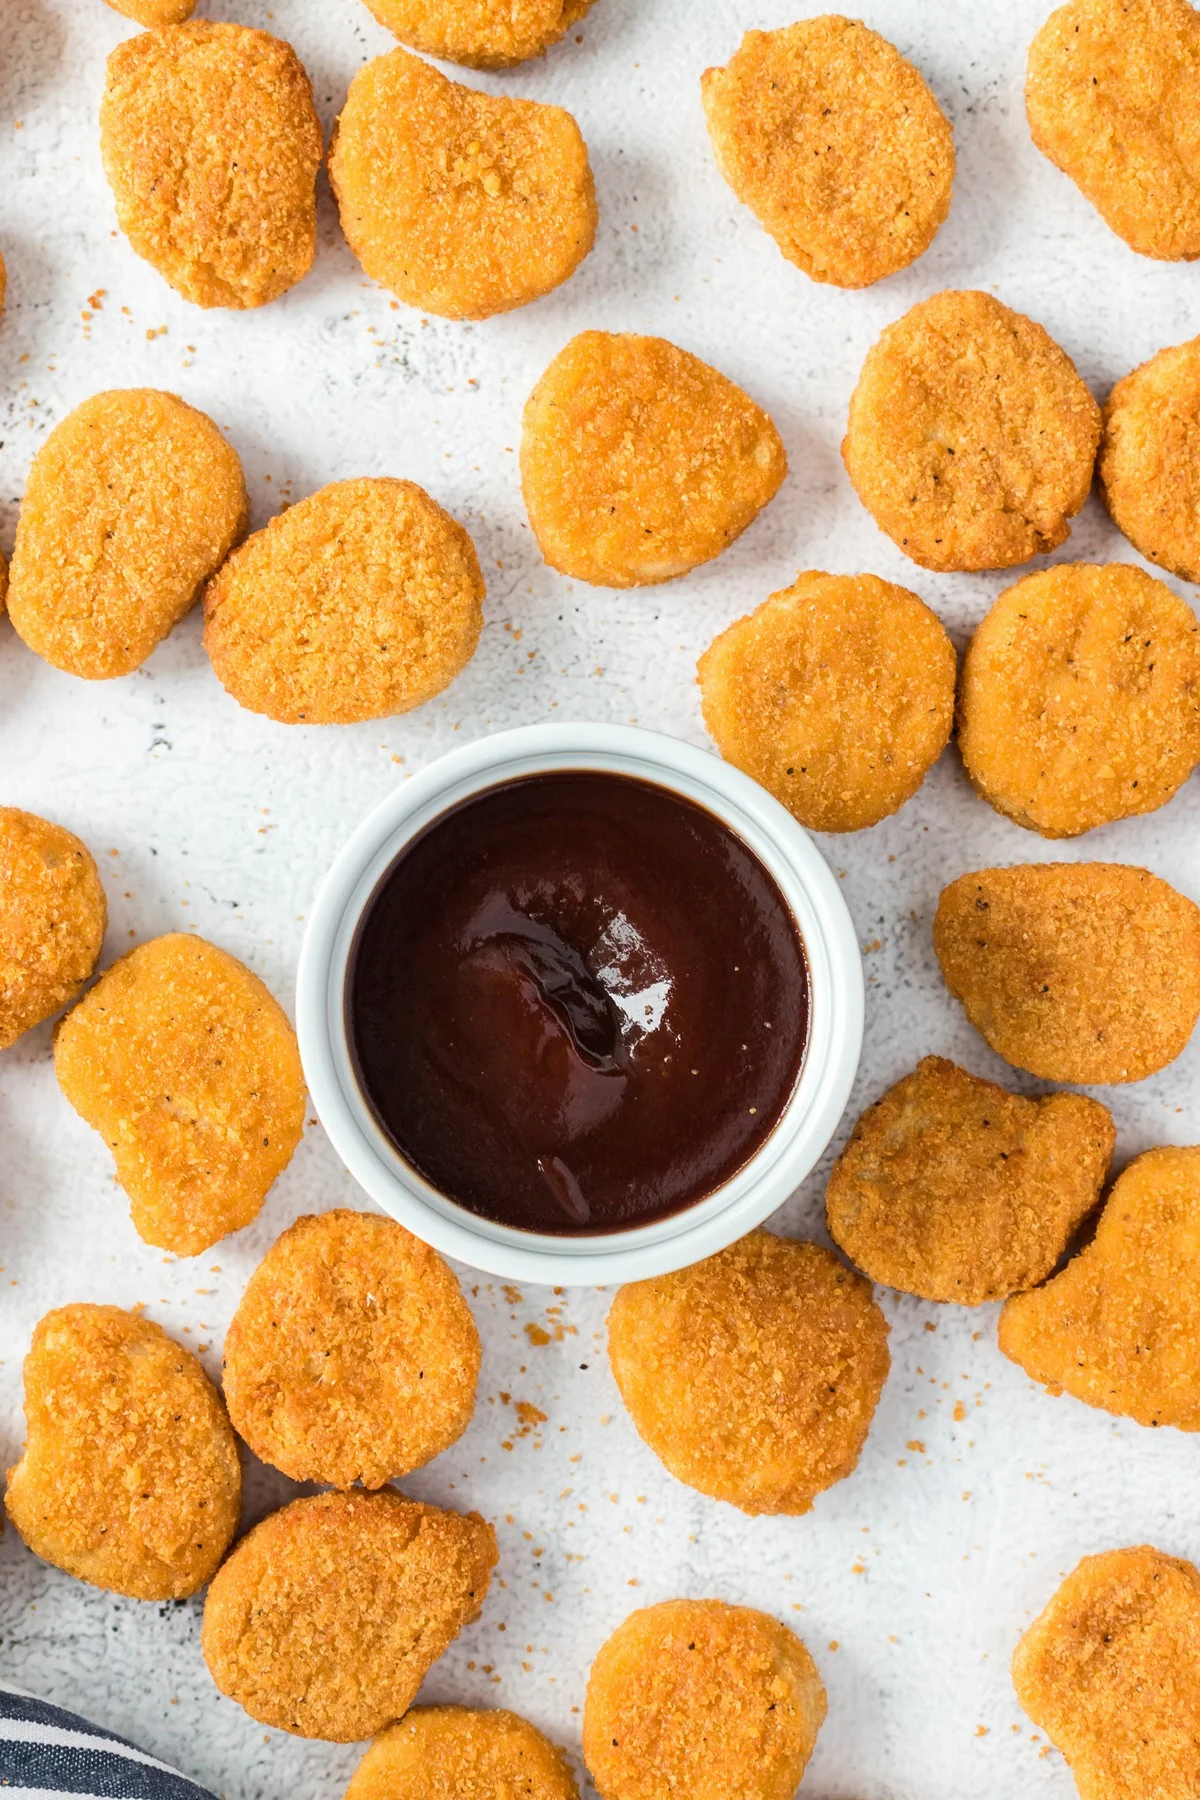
(353, 1355)
(188, 1068)
(462, 204)
(753, 1375)
(835, 143)
(211, 145)
(130, 1476)
(483, 34)
(837, 695)
(951, 1188)
(131, 504)
(1111, 1673)
(639, 462)
(1149, 466)
(364, 600)
(154, 12)
(328, 1616)
(1083, 972)
(53, 916)
(1119, 1327)
(1111, 90)
(450, 1753)
(1080, 698)
(971, 437)
(697, 1698)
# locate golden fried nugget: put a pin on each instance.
(951, 1188)
(1080, 698)
(130, 1476)
(639, 462)
(971, 437)
(837, 695)
(328, 1616)
(365, 599)
(1111, 90)
(1119, 1327)
(753, 1375)
(1149, 468)
(154, 12)
(461, 203)
(697, 1698)
(131, 504)
(837, 146)
(211, 145)
(450, 1753)
(1111, 1673)
(53, 916)
(353, 1355)
(188, 1068)
(483, 34)
(1084, 972)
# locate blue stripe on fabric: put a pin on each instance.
(67, 1769)
(40, 1712)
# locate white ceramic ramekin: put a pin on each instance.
(816, 1105)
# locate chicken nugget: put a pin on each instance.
(353, 1355)
(53, 916)
(1149, 466)
(188, 1068)
(639, 462)
(697, 1698)
(211, 145)
(1111, 88)
(1080, 698)
(753, 1375)
(1082, 972)
(1111, 1673)
(971, 438)
(461, 203)
(130, 1476)
(837, 146)
(837, 695)
(450, 1753)
(364, 600)
(951, 1188)
(1119, 1327)
(154, 12)
(329, 1614)
(131, 504)
(483, 34)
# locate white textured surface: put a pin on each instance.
(926, 1565)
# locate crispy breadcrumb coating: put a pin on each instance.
(363, 600)
(154, 12)
(132, 502)
(1119, 1327)
(697, 1699)
(450, 1753)
(461, 203)
(1080, 698)
(130, 1476)
(1149, 466)
(482, 34)
(1111, 1673)
(837, 695)
(639, 461)
(753, 1375)
(329, 1614)
(953, 1189)
(53, 915)
(971, 438)
(211, 145)
(835, 143)
(353, 1355)
(188, 1068)
(1083, 972)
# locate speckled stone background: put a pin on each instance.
(910, 1582)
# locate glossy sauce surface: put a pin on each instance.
(577, 1003)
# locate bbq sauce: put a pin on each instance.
(577, 1003)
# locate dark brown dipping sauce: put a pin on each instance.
(577, 1003)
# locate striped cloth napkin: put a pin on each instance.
(45, 1750)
